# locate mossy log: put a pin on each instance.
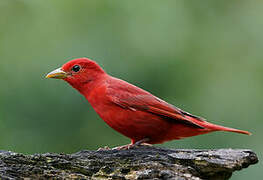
(136, 163)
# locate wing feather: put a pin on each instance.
(138, 99)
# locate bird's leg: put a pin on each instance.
(142, 142)
(132, 145)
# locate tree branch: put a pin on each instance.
(137, 163)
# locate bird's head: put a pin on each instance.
(78, 72)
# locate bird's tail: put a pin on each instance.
(215, 127)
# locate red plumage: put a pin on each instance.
(131, 110)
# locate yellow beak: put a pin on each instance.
(57, 74)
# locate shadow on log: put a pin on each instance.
(138, 163)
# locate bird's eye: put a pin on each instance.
(76, 68)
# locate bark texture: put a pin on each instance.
(137, 163)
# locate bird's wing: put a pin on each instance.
(134, 98)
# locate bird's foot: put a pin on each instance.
(124, 147)
(146, 144)
(105, 148)
(135, 145)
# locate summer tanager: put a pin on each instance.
(130, 110)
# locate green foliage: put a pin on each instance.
(203, 56)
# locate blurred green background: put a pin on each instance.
(203, 56)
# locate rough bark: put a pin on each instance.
(137, 163)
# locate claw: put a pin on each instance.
(105, 148)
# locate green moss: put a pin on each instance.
(200, 162)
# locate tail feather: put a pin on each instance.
(214, 127)
(222, 128)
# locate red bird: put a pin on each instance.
(130, 110)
